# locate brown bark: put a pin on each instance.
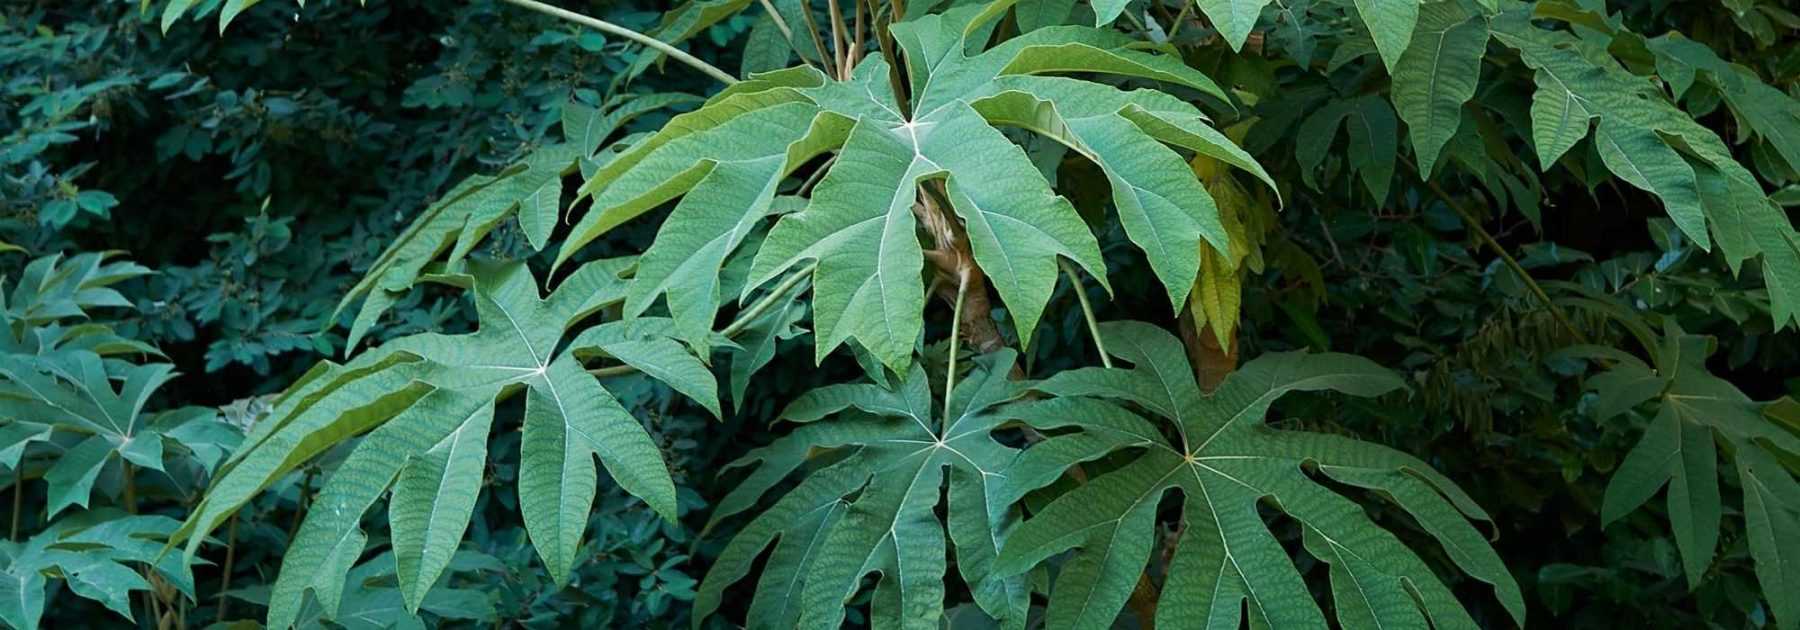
(953, 262)
(1212, 361)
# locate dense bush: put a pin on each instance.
(946, 313)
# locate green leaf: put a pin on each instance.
(1642, 138)
(757, 344)
(453, 226)
(1224, 461)
(1436, 75)
(1695, 409)
(425, 402)
(1035, 14)
(1374, 144)
(433, 500)
(873, 511)
(72, 478)
(727, 159)
(1234, 18)
(766, 49)
(1391, 23)
(1772, 514)
(569, 421)
(91, 552)
(1768, 111)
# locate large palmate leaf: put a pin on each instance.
(727, 160)
(1693, 416)
(1648, 142)
(871, 505)
(372, 601)
(97, 555)
(427, 402)
(59, 384)
(1227, 464)
(74, 395)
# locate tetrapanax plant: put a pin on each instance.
(427, 403)
(727, 161)
(1649, 143)
(1227, 464)
(97, 555)
(1693, 415)
(876, 457)
(58, 369)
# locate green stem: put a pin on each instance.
(608, 27)
(743, 320)
(18, 497)
(812, 29)
(962, 288)
(1087, 311)
(230, 559)
(787, 34)
(300, 513)
(763, 305)
(1181, 19)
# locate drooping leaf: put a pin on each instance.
(1645, 140)
(452, 227)
(98, 554)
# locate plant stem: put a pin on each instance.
(962, 288)
(839, 49)
(608, 27)
(1087, 311)
(300, 513)
(743, 320)
(856, 48)
(768, 301)
(18, 497)
(780, 24)
(130, 490)
(812, 28)
(1181, 19)
(1500, 250)
(225, 579)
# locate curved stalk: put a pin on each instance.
(608, 27)
(1500, 250)
(1087, 311)
(743, 320)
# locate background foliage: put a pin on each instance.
(242, 181)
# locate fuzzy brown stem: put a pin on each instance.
(955, 262)
(1212, 361)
